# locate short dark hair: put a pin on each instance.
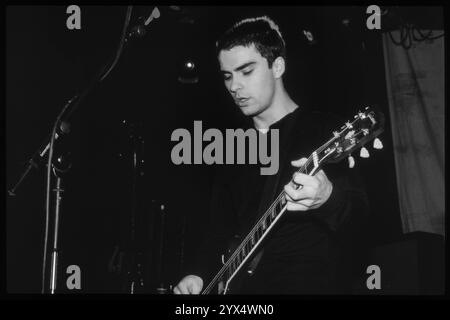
(259, 31)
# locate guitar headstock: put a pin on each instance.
(365, 126)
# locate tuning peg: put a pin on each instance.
(364, 153)
(351, 161)
(377, 144)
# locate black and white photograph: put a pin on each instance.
(162, 150)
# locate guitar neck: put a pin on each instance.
(259, 230)
(364, 127)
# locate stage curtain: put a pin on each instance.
(415, 88)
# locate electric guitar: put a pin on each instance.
(364, 127)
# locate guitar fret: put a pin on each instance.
(279, 205)
(267, 222)
(268, 219)
(309, 166)
(260, 233)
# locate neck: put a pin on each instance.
(281, 106)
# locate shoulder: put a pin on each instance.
(323, 117)
(318, 121)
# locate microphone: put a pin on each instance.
(63, 128)
(37, 158)
(140, 30)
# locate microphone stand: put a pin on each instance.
(53, 273)
(38, 156)
(62, 166)
(63, 127)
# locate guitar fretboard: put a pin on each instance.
(261, 227)
(364, 127)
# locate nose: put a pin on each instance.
(235, 85)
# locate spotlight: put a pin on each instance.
(189, 65)
(187, 73)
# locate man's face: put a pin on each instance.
(248, 78)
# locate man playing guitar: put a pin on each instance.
(301, 253)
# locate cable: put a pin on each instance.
(102, 75)
(410, 33)
(122, 42)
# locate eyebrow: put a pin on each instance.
(243, 66)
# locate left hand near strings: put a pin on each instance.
(313, 192)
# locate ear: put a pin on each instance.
(278, 67)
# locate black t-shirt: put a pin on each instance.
(301, 251)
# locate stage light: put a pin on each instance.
(187, 73)
(189, 65)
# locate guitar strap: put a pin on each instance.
(271, 188)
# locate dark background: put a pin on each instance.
(46, 64)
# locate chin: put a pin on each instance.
(251, 111)
(248, 113)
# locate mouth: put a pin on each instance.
(241, 101)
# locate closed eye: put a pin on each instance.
(227, 77)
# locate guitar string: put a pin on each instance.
(252, 232)
(236, 252)
(278, 199)
(266, 213)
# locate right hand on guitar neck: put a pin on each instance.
(190, 284)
